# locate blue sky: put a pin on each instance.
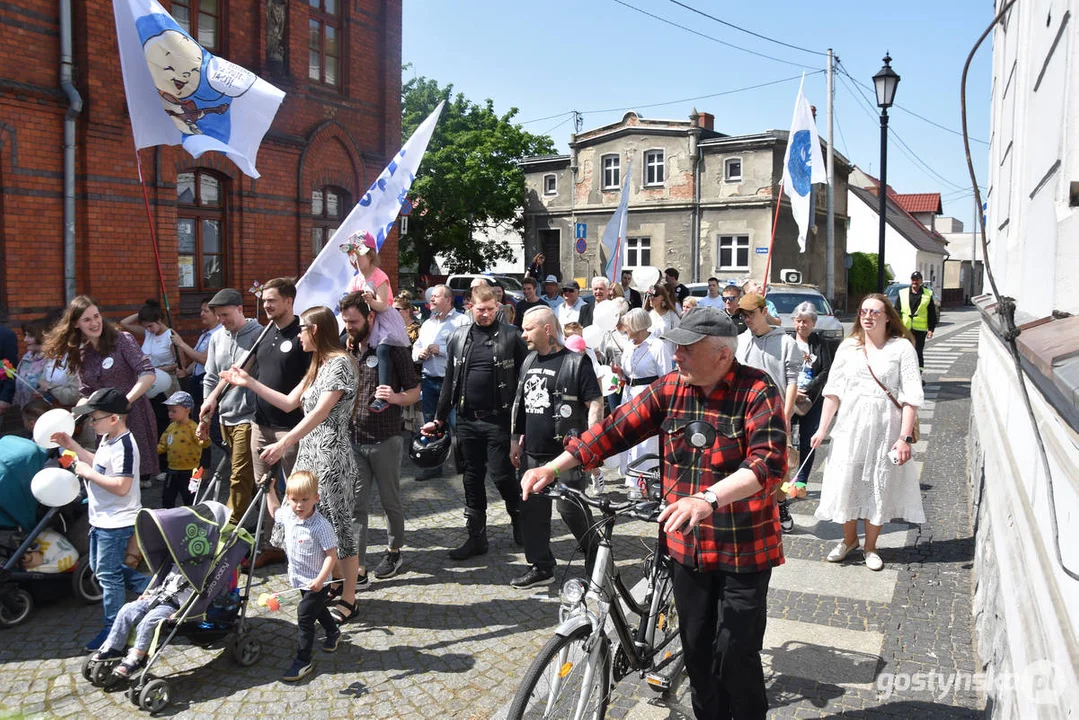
(547, 57)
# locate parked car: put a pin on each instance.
(893, 290)
(460, 285)
(787, 297)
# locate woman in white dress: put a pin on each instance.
(663, 313)
(644, 360)
(861, 481)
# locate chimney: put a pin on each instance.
(813, 109)
(706, 120)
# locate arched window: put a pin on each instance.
(329, 205)
(200, 230)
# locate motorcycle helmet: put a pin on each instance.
(429, 451)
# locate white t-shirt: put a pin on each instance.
(712, 302)
(115, 457)
(159, 349)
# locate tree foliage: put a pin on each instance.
(469, 180)
(862, 276)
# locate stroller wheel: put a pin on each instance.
(84, 583)
(154, 696)
(247, 650)
(101, 673)
(132, 693)
(15, 607)
(88, 667)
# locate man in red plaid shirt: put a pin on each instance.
(721, 522)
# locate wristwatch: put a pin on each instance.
(711, 498)
(909, 439)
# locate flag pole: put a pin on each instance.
(153, 238)
(772, 242)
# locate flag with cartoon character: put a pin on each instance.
(178, 93)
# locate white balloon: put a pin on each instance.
(161, 383)
(55, 487)
(645, 277)
(50, 423)
(606, 315)
(593, 336)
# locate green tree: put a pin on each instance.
(469, 180)
(862, 276)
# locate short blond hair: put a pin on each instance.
(301, 483)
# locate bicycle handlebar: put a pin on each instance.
(644, 509)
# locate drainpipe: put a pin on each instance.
(695, 242)
(74, 107)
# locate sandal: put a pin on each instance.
(339, 615)
(129, 667)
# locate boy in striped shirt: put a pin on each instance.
(311, 547)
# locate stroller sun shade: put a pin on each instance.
(184, 536)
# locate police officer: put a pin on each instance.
(558, 396)
(918, 312)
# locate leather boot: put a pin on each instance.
(476, 543)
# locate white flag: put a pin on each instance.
(180, 94)
(803, 166)
(326, 281)
(614, 235)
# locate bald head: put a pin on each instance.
(541, 330)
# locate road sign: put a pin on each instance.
(581, 245)
(581, 232)
(762, 251)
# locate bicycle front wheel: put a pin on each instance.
(566, 680)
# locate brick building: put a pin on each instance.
(339, 63)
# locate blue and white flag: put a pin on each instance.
(613, 242)
(180, 94)
(326, 281)
(803, 166)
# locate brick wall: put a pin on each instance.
(320, 136)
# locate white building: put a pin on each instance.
(1027, 521)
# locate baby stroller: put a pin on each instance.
(39, 565)
(208, 555)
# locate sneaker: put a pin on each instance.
(363, 582)
(391, 563)
(533, 577)
(378, 405)
(99, 640)
(331, 642)
(786, 522)
(299, 670)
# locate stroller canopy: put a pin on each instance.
(20, 459)
(185, 536)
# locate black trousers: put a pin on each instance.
(176, 482)
(723, 617)
(312, 608)
(536, 519)
(485, 447)
(919, 345)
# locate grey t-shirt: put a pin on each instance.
(775, 352)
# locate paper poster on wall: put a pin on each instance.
(187, 271)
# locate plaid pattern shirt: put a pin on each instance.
(371, 428)
(747, 411)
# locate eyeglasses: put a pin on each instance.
(870, 312)
(305, 327)
(93, 419)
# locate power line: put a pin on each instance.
(705, 97)
(549, 117)
(748, 32)
(557, 126)
(709, 37)
(835, 116)
(923, 118)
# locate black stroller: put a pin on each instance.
(208, 556)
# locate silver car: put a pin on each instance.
(787, 297)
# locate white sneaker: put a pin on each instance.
(873, 561)
(840, 551)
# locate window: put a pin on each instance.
(733, 252)
(732, 170)
(653, 167)
(612, 172)
(201, 19)
(324, 42)
(200, 230)
(638, 252)
(328, 205)
(550, 184)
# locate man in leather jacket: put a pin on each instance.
(483, 363)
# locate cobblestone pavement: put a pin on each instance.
(451, 640)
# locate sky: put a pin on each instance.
(602, 58)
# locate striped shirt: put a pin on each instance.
(306, 544)
(115, 457)
(747, 411)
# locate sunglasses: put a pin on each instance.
(870, 312)
(729, 299)
(567, 291)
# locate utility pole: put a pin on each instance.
(829, 244)
(577, 122)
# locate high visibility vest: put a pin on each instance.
(920, 319)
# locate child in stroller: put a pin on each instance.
(158, 603)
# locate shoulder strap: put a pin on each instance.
(886, 391)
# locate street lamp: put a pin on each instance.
(885, 82)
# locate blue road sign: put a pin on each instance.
(581, 232)
(581, 246)
(762, 251)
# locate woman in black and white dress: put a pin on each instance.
(328, 396)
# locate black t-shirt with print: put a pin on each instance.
(537, 412)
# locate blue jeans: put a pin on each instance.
(144, 616)
(807, 426)
(107, 549)
(430, 389)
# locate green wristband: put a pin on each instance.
(555, 470)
